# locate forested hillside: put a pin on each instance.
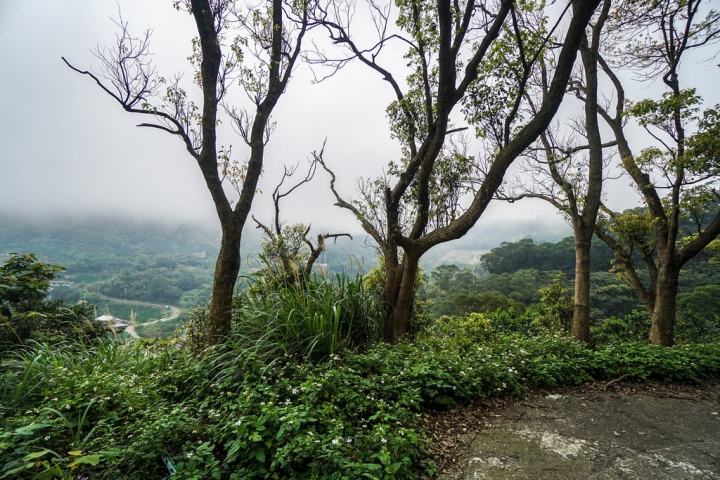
(162, 263)
(513, 275)
(119, 258)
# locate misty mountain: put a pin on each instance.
(78, 243)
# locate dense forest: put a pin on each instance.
(513, 274)
(121, 259)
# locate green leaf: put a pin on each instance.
(93, 460)
(260, 456)
(35, 455)
(30, 429)
(111, 452)
(51, 472)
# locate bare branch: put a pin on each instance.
(367, 226)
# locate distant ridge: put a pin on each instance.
(487, 235)
(56, 238)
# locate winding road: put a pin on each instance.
(131, 330)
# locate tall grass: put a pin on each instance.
(25, 374)
(314, 319)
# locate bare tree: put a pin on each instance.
(289, 247)
(272, 35)
(474, 56)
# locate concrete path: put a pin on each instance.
(597, 435)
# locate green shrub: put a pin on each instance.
(472, 329)
(125, 411)
(49, 322)
(633, 327)
(556, 306)
(26, 316)
(24, 278)
(312, 320)
(693, 328)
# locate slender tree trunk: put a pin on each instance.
(584, 225)
(581, 307)
(662, 331)
(227, 268)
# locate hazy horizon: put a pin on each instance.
(71, 152)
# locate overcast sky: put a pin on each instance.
(69, 149)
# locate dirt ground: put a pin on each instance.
(599, 431)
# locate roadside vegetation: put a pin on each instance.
(302, 388)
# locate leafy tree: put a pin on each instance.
(571, 182)
(713, 249)
(524, 254)
(651, 37)
(510, 256)
(273, 34)
(611, 297)
(450, 276)
(473, 56)
(520, 286)
(24, 278)
(487, 302)
(630, 235)
(703, 301)
(556, 305)
(25, 314)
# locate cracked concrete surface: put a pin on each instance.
(597, 435)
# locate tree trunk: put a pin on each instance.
(662, 331)
(404, 303)
(398, 293)
(227, 268)
(391, 291)
(581, 307)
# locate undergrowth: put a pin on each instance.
(300, 389)
(116, 410)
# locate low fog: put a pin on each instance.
(70, 151)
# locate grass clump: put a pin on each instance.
(310, 320)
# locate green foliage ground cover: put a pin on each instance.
(115, 409)
(301, 389)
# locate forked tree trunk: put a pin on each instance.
(391, 290)
(404, 302)
(227, 268)
(452, 88)
(581, 307)
(662, 331)
(398, 293)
